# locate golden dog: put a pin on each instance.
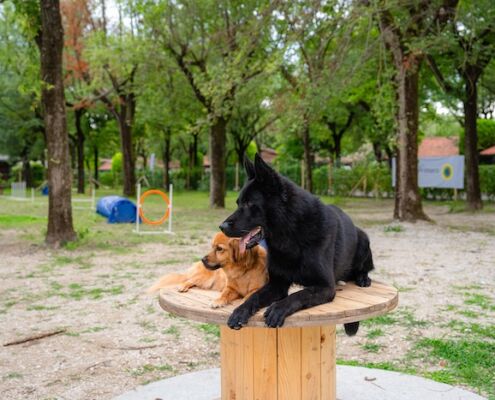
(225, 268)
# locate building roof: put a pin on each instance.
(488, 152)
(268, 155)
(438, 147)
(105, 165)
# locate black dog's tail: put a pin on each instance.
(351, 328)
(362, 264)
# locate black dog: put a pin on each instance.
(309, 243)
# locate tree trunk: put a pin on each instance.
(330, 175)
(127, 154)
(166, 160)
(308, 170)
(96, 166)
(218, 138)
(27, 173)
(189, 166)
(408, 205)
(195, 163)
(72, 152)
(145, 161)
(195, 151)
(473, 191)
(60, 228)
(80, 150)
(377, 151)
(338, 149)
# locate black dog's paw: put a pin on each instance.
(363, 280)
(239, 317)
(275, 315)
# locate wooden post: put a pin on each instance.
(278, 364)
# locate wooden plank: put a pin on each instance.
(328, 362)
(244, 365)
(310, 363)
(228, 349)
(265, 363)
(289, 363)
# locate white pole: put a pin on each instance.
(171, 198)
(137, 206)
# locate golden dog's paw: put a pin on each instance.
(217, 304)
(183, 288)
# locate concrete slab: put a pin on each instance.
(353, 383)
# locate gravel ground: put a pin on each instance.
(116, 337)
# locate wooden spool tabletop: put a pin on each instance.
(351, 304)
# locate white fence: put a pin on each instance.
(18, 190)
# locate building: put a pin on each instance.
(487, 156)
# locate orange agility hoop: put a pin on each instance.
(141, 202)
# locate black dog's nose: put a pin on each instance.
(225, 225)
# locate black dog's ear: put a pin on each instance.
(269, 178)
(249, 167)
(266, 174)
(263, 171)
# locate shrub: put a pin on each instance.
(487, 180)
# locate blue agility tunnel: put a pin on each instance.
(117, 209)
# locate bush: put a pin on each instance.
(106, 179)
(117, 170)
(487, 180)
(377, 178)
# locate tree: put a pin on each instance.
(402, 27)
(219, 47)
(60, 227)
(470, 44)
(21, 121)
(114, 61)
(320, 32)
(253, 114)
(77, 22)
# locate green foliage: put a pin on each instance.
(487, 180)
(486, 135)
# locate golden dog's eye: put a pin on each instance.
(219, 249)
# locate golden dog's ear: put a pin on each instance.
(234, 249)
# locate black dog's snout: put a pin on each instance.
(225, 225)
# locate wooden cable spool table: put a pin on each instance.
(295, 362)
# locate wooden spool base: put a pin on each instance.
(296, 362)
(284, 363)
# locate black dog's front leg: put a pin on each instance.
(308, 297)
(263, 297)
